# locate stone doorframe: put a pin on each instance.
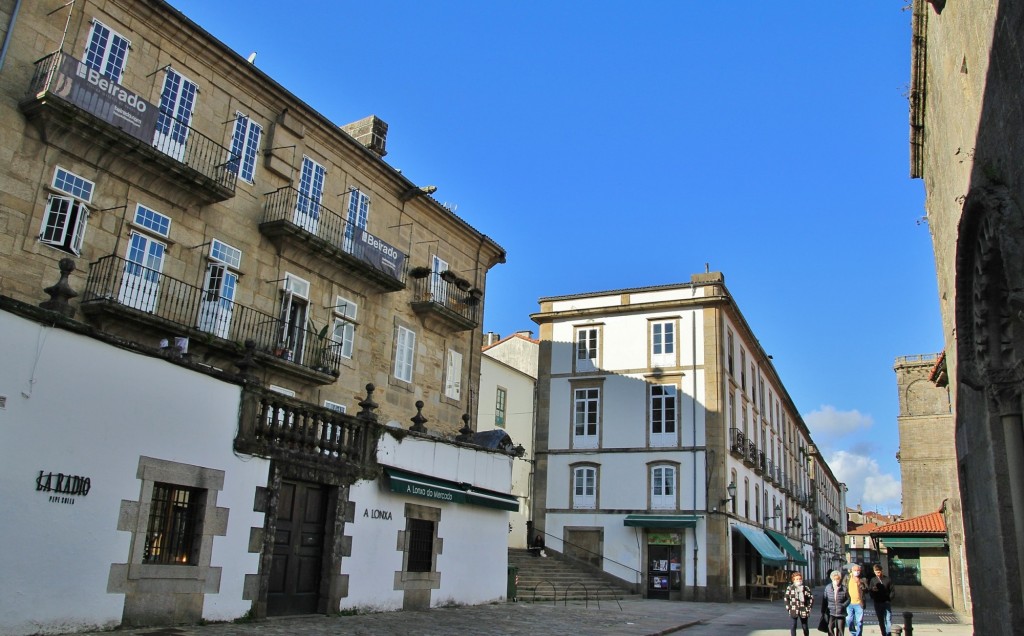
(990, 378)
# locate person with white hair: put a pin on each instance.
(834, 601)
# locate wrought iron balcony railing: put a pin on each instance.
(450, 300)
(380, 261)
(738, 442)
(124, 114)
(148, 294)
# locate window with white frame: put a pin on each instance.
(245, 145)
(663, 343)
(453, 376)
(663, 488)
(587, 352)
(743, 371)
(107, 51)
(584, 487)
(405, 348)
(345, 325)
(177, 102)
(65, 218)
(586, 417)
(500, 400)
(144, 260)
(218, 304)
(294, 312)
(358, 216)
(311, 191)
(728, 351)
(334, 406)
(663, 414)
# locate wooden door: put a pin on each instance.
(297, 564)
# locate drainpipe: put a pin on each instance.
(693, 421)
(10, 31)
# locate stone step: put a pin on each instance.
(553, 580)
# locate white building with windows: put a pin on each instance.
(508, 385)
(668, 451)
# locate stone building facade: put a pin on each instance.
(965, 140)
(927, 452)
(195, 210)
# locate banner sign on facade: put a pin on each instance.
(104, 98)
(378, 254)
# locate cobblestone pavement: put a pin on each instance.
(635, 618)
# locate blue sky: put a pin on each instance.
(612, 144)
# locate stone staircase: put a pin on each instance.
(556, 580)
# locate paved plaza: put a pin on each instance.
(631, 618)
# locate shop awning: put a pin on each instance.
(913, 542)
(661, 521)
(795, 555)
(770, 553)
(407, 483)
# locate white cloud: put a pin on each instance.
(830, 423)
(866, 483)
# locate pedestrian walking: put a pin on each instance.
(882, 591)
(857, 588)
(834, 601)
(799, 601)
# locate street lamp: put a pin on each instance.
(778, 513)
(731, 490)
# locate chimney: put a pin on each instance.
(371, 132)
(490, 338)
(526, 333)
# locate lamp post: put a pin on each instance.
(731, 490)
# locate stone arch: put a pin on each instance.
(990, 376)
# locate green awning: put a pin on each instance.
(770, 552)
(661, 521)
(913, 542)
(795, 555)
(407, 483)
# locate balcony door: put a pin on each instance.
(140, 285)
(311, 191)
(438, 286)
(358, 215)
(177, 101)
(218, 300)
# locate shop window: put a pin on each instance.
(905, 566)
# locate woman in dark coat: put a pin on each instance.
(799, 601)
(834, 601)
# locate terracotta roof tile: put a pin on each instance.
(931, 523)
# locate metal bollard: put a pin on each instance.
(908, 623)
(897, 630)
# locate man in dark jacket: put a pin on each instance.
(882, 592)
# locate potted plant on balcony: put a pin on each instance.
(321, 358)
(448, 276)
(419, 272)
(462, 284)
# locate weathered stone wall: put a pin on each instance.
(973, 116)
(927, 448)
